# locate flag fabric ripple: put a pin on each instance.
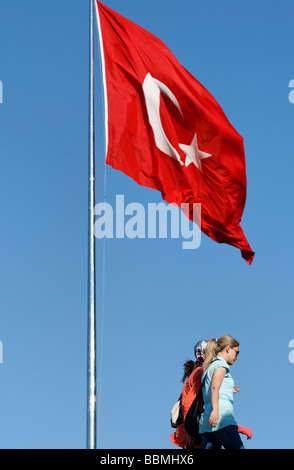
(167, 132)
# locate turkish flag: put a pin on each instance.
(167, 132)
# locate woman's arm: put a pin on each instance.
(216, 382)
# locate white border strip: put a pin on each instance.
(103, 78)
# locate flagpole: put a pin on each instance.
(91, 366)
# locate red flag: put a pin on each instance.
(167, 132)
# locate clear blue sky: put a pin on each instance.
(159, 298)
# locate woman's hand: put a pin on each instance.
(236, 389)
(213, 419)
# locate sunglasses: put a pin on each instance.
(237, 352)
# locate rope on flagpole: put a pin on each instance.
(102, 321)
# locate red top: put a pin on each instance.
(190, 390)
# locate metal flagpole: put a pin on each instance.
(91, 386)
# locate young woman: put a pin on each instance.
(218, 426)
(192, 383)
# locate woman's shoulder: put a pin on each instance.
(197, 372)
(195, 377)
(215, 363)
(219, 361)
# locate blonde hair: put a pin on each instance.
(214, 346)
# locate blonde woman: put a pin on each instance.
(218, 426)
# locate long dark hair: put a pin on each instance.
(189, 367)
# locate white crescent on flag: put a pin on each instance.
(152, 89)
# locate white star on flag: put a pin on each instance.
(193, 154)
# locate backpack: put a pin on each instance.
(176, 416)
(193, 416)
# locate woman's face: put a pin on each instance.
(232, 354)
